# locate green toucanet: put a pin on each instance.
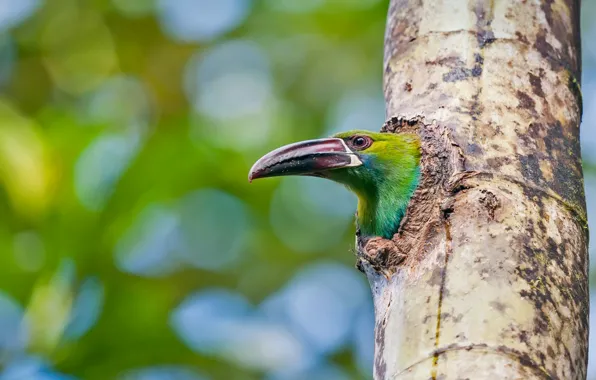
(382, 169)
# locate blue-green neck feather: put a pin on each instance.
(384, 198)
(384, 183)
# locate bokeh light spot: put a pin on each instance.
(321, 372)
(13, 328)
(588, 126)
(223, 86)
(223, 323)
(48, 310)
(149, 247)
(357, 110)
(202, 317)
(214, 226)
(331, 198)
(100, 166)
(201, 20)
(14, 12)
(590, 186)
(120, 102)
(364, 338)
(163, 373)
(207, 229)
(234, 95)
(592, 340)
(86, 308)
(25, 167)
(31, 368)
(321, 303)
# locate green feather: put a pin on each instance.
(385, 182)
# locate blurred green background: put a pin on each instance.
(131, 245)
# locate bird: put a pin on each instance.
(382, 169)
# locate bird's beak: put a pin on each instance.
(311, 157)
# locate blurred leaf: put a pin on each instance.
(25, 167)
(49, 309)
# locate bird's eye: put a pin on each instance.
(361, 142)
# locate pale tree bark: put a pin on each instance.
(494, 285)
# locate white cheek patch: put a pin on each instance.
(354, 160)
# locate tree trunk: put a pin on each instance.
(495, 283)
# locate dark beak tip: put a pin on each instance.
(253, 174)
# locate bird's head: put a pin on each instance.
(381, 168)
(361, 160)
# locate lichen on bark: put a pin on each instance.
(494, 280)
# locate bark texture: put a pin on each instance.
(494, 285)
